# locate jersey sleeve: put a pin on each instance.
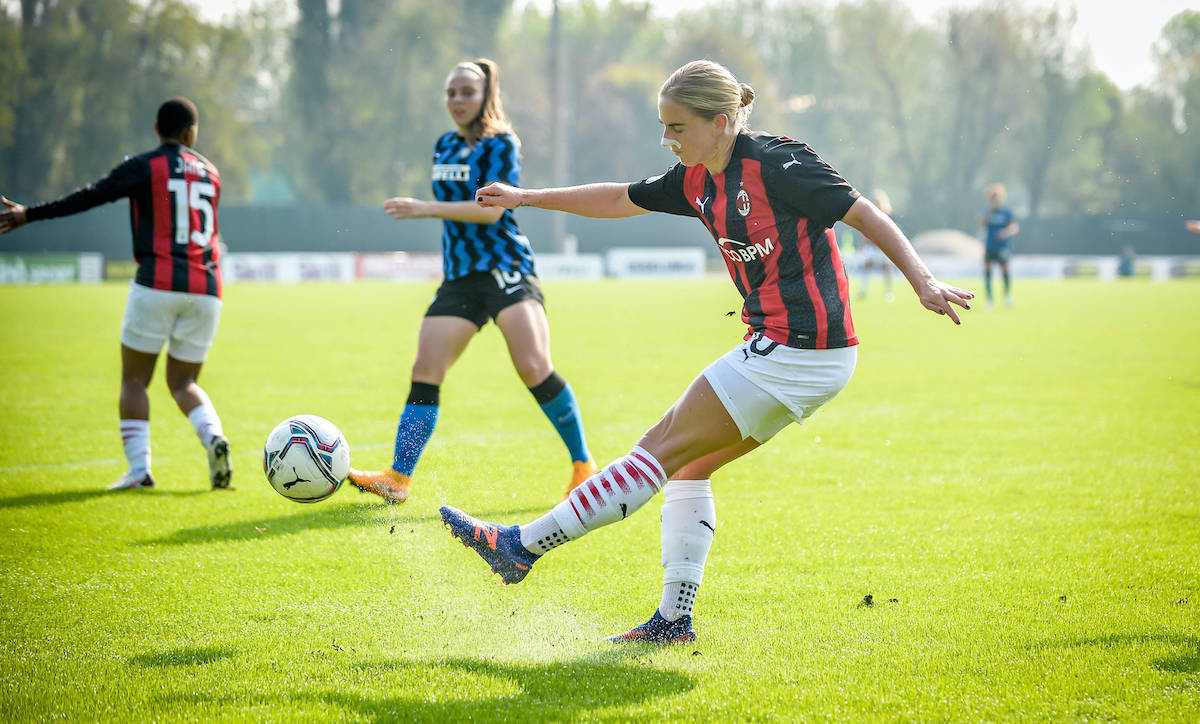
(663, 193)
(503, 161)
(118, 184)
(803, 182)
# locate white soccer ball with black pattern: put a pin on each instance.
(306, 458)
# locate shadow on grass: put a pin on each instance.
(186, 656)
(551, 691)
(1187, 662)
(257, 529)
(309, 519)
(74, 496)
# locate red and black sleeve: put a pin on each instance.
(663, 193)
(121, 182)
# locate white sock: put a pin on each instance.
(612, 494)
(135, 436)
(542, 535)
(689, 520)
(205, 422)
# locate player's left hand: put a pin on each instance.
(403, 207)
(12, 216)
(940, 297)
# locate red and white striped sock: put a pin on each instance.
(610, 495)
(135, 436)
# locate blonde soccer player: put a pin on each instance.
(769, 204)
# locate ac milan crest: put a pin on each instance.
(743, 202)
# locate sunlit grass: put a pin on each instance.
(1018, 496)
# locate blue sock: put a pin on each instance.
(416, 427)
(987, 283)
(557, 400)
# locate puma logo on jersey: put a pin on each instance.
(451, 172)
(746, 252)
(793, 162)
(700, 203)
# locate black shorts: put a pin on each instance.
(999, 254)
(480, 296)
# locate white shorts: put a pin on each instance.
(765, 385)
(154, 316)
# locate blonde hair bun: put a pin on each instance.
(710, 90)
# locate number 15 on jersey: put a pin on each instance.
(197, 196)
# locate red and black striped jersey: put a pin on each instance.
(771, 212)
(173, 194)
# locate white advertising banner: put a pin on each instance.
(287, 268)
(682, 262)
(400, 266)
(570, 266)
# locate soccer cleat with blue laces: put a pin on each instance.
(659, 630)
(499, 545)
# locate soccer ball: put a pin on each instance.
(306, 458)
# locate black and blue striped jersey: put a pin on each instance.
(458, 171)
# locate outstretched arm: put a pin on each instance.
(12, 216)
(601, 201)
(882, 231)
(468, 212)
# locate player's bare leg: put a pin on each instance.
(137, 369)
(987, 282)
(1004, 273)
(440, 342)
(527, 334)
(193, 402)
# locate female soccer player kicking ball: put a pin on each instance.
(489, 274)
(769, 203)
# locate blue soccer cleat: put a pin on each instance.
(499, 545)
(659, 630)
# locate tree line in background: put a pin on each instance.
(303, 104)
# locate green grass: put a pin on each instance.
(1018, 495)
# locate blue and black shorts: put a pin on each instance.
(480, 296)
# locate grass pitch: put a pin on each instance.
(1017, 497)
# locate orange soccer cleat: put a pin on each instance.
(389, 484)
(582, 471)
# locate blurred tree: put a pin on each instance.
(96, 72)
(885, 103)
(1178, 56)
(367, 92)
(1051, 107)
(987, 73)
(612, 83)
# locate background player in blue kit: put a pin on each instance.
(1001, 226)
(869, 255)
(769, 204)
(175, 299)
(489, 273)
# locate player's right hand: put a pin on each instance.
(12, 216)
(499, 194)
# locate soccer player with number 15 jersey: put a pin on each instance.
(175, 298)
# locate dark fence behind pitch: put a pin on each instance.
(359, 228)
